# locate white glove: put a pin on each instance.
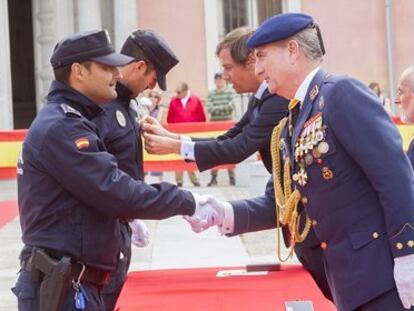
(208, 213)
(404, 279)
(140, 234)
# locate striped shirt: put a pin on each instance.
(219, 104)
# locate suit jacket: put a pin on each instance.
(252, 133)
(359, 187)
(410, 153)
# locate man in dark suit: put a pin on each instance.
(252, 133)
(348, 170)
(405, 98)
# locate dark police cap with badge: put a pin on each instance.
(156, 50)
(283, 26)
(87, 46)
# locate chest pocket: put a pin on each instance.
(121, 140)
(319, 161)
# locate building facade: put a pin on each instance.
(366, 39)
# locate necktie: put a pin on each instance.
(253, 103)
(294, 108)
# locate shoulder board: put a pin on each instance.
(69, 110)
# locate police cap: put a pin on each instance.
(91, 45)
(157, 51)
(279, 27)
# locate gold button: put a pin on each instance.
(410, 243)
(314, 222)
(304, 200)
(324, 245)
(375, 235)
(399, 245)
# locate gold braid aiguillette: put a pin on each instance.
(286, 200)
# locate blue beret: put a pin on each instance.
(89, 45)
(157, 51)
(279, 27)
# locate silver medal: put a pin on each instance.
(323, 147)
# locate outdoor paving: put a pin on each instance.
(173, 244)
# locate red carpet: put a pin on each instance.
(200, 289)
(8, 211)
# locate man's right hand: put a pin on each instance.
(155, 144)
(152, 126)
(209, 212)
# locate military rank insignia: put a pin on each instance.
(82, 143)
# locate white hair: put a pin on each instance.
(308, 40)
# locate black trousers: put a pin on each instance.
(27, 293)
(310, 256)
(389, 301)
(112, 290)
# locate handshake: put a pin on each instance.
(209, 212)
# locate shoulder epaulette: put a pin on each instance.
(70, 110)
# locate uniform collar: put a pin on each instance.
(59, 92)
(262, 88)
(303, 88)
(123, 92)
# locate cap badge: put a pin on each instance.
(120, 118)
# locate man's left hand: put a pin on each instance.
(140, 234)
(404, 279)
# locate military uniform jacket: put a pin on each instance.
(70, 190)
(350, 166)
(252, 133)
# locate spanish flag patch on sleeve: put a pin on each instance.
(82, 143)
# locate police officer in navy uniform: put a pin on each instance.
(344, 157)
(405, 98)
(71, 193)
(252, 133)
(119, 130)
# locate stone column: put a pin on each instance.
(89, 15)
(52, 21)
(6, 103)
(125, 20)
(211, 26)
(291, 6)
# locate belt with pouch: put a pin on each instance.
(92, 275)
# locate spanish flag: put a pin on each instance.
(82, 143)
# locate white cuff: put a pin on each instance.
(228, 221)
(187, 149)
(404, 259)
(185, 138)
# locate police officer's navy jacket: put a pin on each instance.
(120, 133)
(252, 133)
(70, 190)
(359, 190)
